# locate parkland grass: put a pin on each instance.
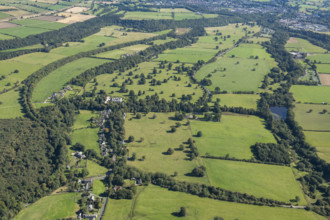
(260, 180)
(149, 206)
(311, 94)
(234, 136)
(54, 81)
(52, 207)
(313, 117)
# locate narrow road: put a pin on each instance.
(99, 217)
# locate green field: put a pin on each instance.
(156, 141)
(116, 54)
(88, 137)
(234, 135)
(22, 31)
(310, 117)
(3, 15)
(321, 141)
(95, 170)
(40, 24)
(237, 100)
(139, 15)
(323, 68)
(52, 207)
(311, 94)
(54, 81)
(98, 187)
(149, 206)
(5, 37)
(322, 58)
(260, 180)
(187, 55)
(82, 120)
(303, 46)
(10, 107)
(165, 90)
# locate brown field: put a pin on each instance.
(325, 79)
(73, 18)
(180, 31)
(76, 10)
(7, 25)
(292, 40)
(49, 18)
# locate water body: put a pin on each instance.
(279, 112)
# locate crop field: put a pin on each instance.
(22, 31)
(234, 136)
(10, 107)
(298, 44)
(311, 117)
(74, 18)
(98, 187)
(165, 90)
(321, 141)
(52, 207)
(152, 139)
(18, 12)
(88, 137)
(325, 79)
(149, 206)
(116, 54)
(62, 75)
(40, 24)
(95, 170)
(237, 100)
(260, 180)
(82, 120)
(311, 94)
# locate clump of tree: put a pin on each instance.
(198, 171)
(276, 153)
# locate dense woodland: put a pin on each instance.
(38, 157)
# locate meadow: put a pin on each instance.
(321, 141)
(22, 31)
(301, 45)
(62, 75)
(39, 24)
(187, 55)
(95, 169)
(116, 54)
(5, 37)
(57, 206)
(323, 68)
(149, 206)
(237, 100)
(156, 140)
(10, 107)
(98, 187)
(82, 120)
(322, 58)
(165, 90)
(139, 15)
(311, 94)
(88, 137)
(260, 180)
(234, 136)
(311, 117)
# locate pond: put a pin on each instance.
(279, 112)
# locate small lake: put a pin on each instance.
(279, 112)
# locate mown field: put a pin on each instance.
(234, 136)
(54, 81)
(311, 94)
(165, 90)
(166, 203)
(311, 117)
(52, 207)
(260, 180)
(237, 100)
(156, 140)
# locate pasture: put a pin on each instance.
(5, 37)
(319, 58)
(22, 31)
(311, 117)
(237, 100)
(311, 94)
(82, 120)
(260, 180)
(54, 81)
(323, 68)
(325, 79)
(98, 187)
(187, 55)
(301, 45)
(95, 169)
(116, 54)
(321, 141)
(39, 24)
(10, 107)
(164, 90)
(152, 139)
(149, 206)
(234, 136)
(56, 206)
(88, 137)
(139, 15)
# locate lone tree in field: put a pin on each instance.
(130, 138)
(199, 134)
(182, 212)
(170, 151)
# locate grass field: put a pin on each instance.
(98, 187)
(234, 135)
(35, 46)
(52, 207)
(298, 44)
(149, 206)
(88, 137)
(321, 141)
(10, 107)
(323, 68)
(22, 31)
(54, 81)
(40, 24)
(116, 54)
(311, 94)
(3, 15)
(5, 37)
(260, 180)
(139, 15)
(187, 55)
(156, 141)
(95, 170)
(323, 58)
(237, 100)
(310, 117)
(82, 120)
(165, 90)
